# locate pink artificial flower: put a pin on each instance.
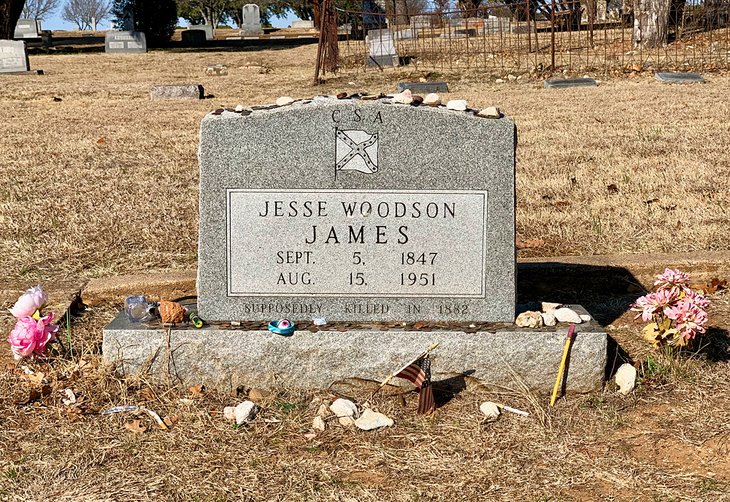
(693, 296)
(671, 279)
(689, 319)
(29, 302)
(31, 337)
(651, 303)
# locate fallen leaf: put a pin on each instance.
(713, 286)
(310, 435)
(135, 426)
(678, 226)
(35, 378)
(147, 394)
(170, 421)
(101, 141)
(33, 395)
(196, 390)
(560, 204)
(612, 188)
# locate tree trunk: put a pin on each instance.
(9, 14)
(651, 20)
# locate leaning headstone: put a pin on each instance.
(423, 87)
(27, 28)
(125, 42)
(381, 48)
(562, 83)
(251, 20)
(205, 28)
(679, 78)
(184, 91)
(193, 37)
(347, 210)
(13, 57)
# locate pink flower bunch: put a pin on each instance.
(32, 332)
(676, 313)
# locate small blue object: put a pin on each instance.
(282, 327)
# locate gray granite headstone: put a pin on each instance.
(423, 87)
(251, 20)
(125, 42)
(561, 83)
(679, 78)
(193, 37)
(206, 28)
(177, 91)
(13, 56)
(349, 210)
(381, 48)
(302, 25)
(27, 28)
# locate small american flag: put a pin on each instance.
(419, 374)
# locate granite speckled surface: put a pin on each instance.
(226, 357)
(401, 154)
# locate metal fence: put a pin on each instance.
(530, 36)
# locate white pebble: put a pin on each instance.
(344, 408)
(458, 105)
(403, 98)
(245, 412)
(432, 99)
(490, 410)
(548, 318)
(318, 424)
(529, 319)
(564, 314)
(491, 112)
(284, 100)
(372, 420)
(626, 378)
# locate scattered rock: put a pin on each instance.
(458, 105)
(529, 319)
(369, 97)
(499, 81)
(216, 70)
(432, 99)
(318, 424)
(372, 420)
(245, 412)
(344, 408)
(403, 98)
(549, 307)
(341, 95)
(346, 421)
(229, 412)
(548, 318)
(239, 108)
(626, 378)
(323, 410)
(564, 314)
(585, 317)
(284, 100)
(258, 394)
(188, 91)
(417, 100)
(490, 410)
(511, 77)
(491, 112)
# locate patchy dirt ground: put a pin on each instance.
(104, 182)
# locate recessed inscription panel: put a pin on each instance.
(356, 243)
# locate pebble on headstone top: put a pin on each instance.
(186, 91)
(351, 210)
(562, 83)
(679, 78)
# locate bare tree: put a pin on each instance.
(85, 13)
(39, 9)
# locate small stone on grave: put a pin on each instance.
(216, 70)
(185, 91)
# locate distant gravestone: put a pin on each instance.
(381, 48)
(302, 25)
(406, 34)
(27, 28)
(251, 20)
(125, 42)
(423, 87)
(193, 37)
(205, 28)
(421, 22)
(13, 57)
(179, 91)
(340, 209)
(562, 83)
(679, 78)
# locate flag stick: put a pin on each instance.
(390, 377)
(561, 369)
(512, 410)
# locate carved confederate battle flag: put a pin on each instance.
(419, 374)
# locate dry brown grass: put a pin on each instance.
(105, 182)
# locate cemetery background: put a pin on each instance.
(103, 185)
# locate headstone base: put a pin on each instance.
(226, 357)
(29, 72)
